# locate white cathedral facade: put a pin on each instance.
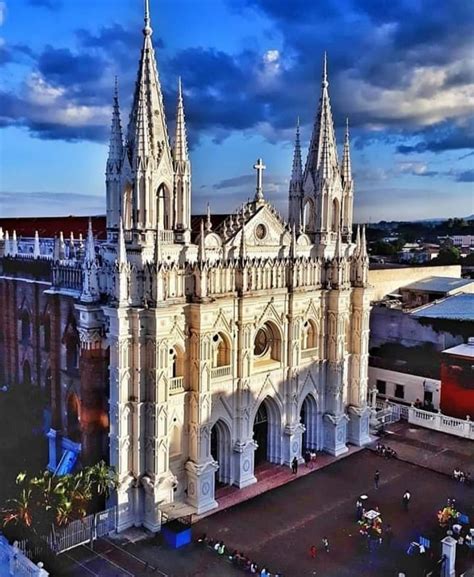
(238, 339)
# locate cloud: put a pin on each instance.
(465, 176)
(442, 137)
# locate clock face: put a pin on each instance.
(261, 343)
(260, 231)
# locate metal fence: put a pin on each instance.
(76, 533)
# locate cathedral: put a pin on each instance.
(190, 350)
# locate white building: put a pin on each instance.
(227, 346)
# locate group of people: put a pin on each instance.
(425, 405)
(386, 452)
(236, 557)
(461, 476)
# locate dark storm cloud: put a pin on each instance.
(465, 176)
(375, 49)
(442, 137)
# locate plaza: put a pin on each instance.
(277, 528)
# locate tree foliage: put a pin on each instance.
(49, 500)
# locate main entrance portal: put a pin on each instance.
(260, 434)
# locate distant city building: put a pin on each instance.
(406, 343)
(457, 380)
(198, 346)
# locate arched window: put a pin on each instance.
(47, 333)
(221, 350)
(176, 440)
(72, 351)
(26, 374)
(308, 216)
(25, 327)
(309, 335)
(164, 207)
(176, 362)
(335, 215)
(267, 344)
(73, 422)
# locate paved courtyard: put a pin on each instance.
(278, 527)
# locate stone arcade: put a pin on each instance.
(231, 339)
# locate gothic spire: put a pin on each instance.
(357, 242)
(323, 139)
(363, 245)
(7, 246)
(180, 141)
(147, 133)
(116, 138)
(14, 245)
(346, 171)
(202, 244)
(90, 246)
(36, 246)
(297, 171)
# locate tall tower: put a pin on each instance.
(322, 185)
(296, 184)
(348, 187)
(182, 171)
(113, 166)
(147, 202)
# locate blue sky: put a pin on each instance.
(401, 71)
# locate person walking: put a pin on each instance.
(359, 510)
(294, 466)
(406, 499)
(377, 478)
(325, 544)
(312, 551)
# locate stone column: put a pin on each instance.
(201, 466)
(121, 417)
(449, 549)
(293, 430)
(359, 411)
(244, 446)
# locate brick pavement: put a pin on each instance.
(277, 527)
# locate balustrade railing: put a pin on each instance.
(220, 372)
(176, 385)
(67, 276)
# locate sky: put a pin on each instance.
(402, 72)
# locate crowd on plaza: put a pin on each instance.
(385, 451)
(236, 557)
(461, 476)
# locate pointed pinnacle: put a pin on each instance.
(147, 31)
(325, 70)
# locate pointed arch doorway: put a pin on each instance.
(309, 418)
(221, 451)
(267, 431)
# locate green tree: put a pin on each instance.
(448, 255)
(47, 500)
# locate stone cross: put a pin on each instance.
(259, 167)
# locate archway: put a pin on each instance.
(221, 451)
(335, 215)
(267, 346)
(267, 432)
(221, 350)
(309, 418)
(26, 374)
(308, 215)
(73, 423)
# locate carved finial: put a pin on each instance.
(147, 31)
(208, 219)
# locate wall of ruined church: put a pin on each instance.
(389, 280)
